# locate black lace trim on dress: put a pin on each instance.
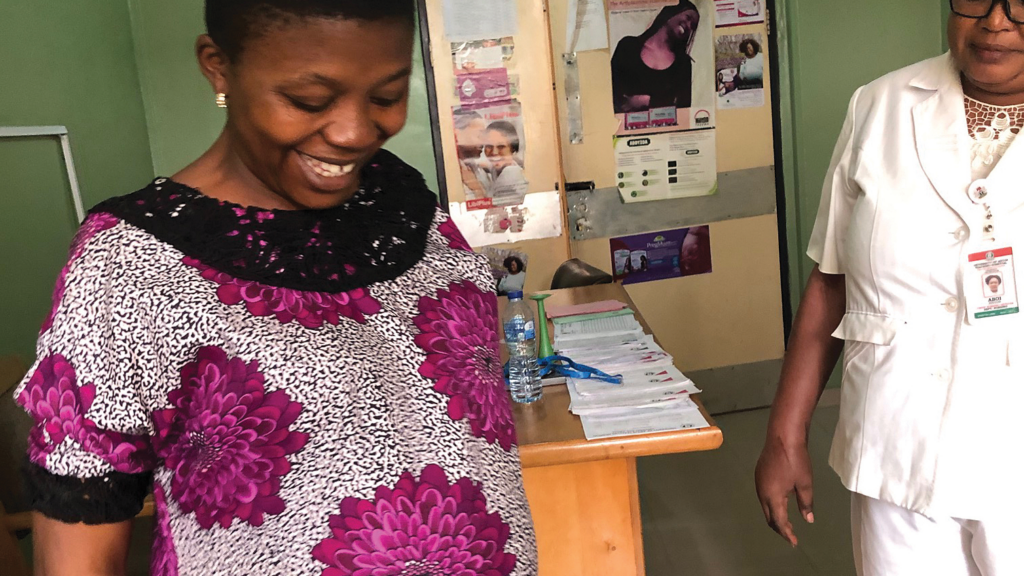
(108, 499)
(378, 235)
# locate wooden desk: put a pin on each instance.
(584, 495)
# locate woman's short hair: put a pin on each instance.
(508, 130)
(232, 23)
(508, 263)
(993, 277)
(750, 42)
(463, 118)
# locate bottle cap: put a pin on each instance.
(517, 295)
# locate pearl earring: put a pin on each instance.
(222, 100)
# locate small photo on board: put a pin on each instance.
(739, 71)
(508, 267)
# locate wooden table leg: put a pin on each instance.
(587, 518)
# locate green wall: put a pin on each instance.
(183, 120)
(122, 76)
(827, 50)
(63, 63)
(832, 48)
(182, 116)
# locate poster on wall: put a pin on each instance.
(586, 26)
(661, 255)
(739, 12)
(663, 64)
(508, 267)
(491, 146)
(476, 19)
(539, 216)
(739, 64)
(662, 166)
(487, 54)
(481, 71)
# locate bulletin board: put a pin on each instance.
(725, 328)
(531, 61)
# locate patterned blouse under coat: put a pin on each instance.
(307, 392)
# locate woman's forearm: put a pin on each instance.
(811, 357)
(79, 550)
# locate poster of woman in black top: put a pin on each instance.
(662, 64)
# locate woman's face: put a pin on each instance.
(470, 140)
(749, 50)
(499, 149)
(989, 51)
(993, 284)
(310, 102)
(682, 26)
(513, 267)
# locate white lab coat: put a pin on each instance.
(931, 405)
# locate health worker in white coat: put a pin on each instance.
(923, 204)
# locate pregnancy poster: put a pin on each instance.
(661, 255)
(663, 64)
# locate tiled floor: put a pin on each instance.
(702, 518)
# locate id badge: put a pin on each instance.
(990, 284)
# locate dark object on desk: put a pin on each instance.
(575, 273)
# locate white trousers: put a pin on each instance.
(893, 541)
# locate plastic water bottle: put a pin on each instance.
(520, 335)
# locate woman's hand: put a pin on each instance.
(637, 103)
(471, 182)
(784, 468)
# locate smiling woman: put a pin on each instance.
(287, 339)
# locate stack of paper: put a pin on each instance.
(654, 395)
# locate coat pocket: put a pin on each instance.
(868, 327)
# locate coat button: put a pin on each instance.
(961, 234)
(945, 375)
(952, 304)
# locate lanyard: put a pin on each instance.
(566, 367)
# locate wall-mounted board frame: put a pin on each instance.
(61, 133)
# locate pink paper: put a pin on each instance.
(591, 308)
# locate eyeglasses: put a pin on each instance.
(978, 9)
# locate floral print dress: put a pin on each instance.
(306, 392)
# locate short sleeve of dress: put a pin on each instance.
(838, 196)
(89, 453)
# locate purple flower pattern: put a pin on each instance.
(458, 333)
(93, 225)
(421, 527)
(309, 309)
(456, 240)
(59, 406)
(164, 560)
(226, 440)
